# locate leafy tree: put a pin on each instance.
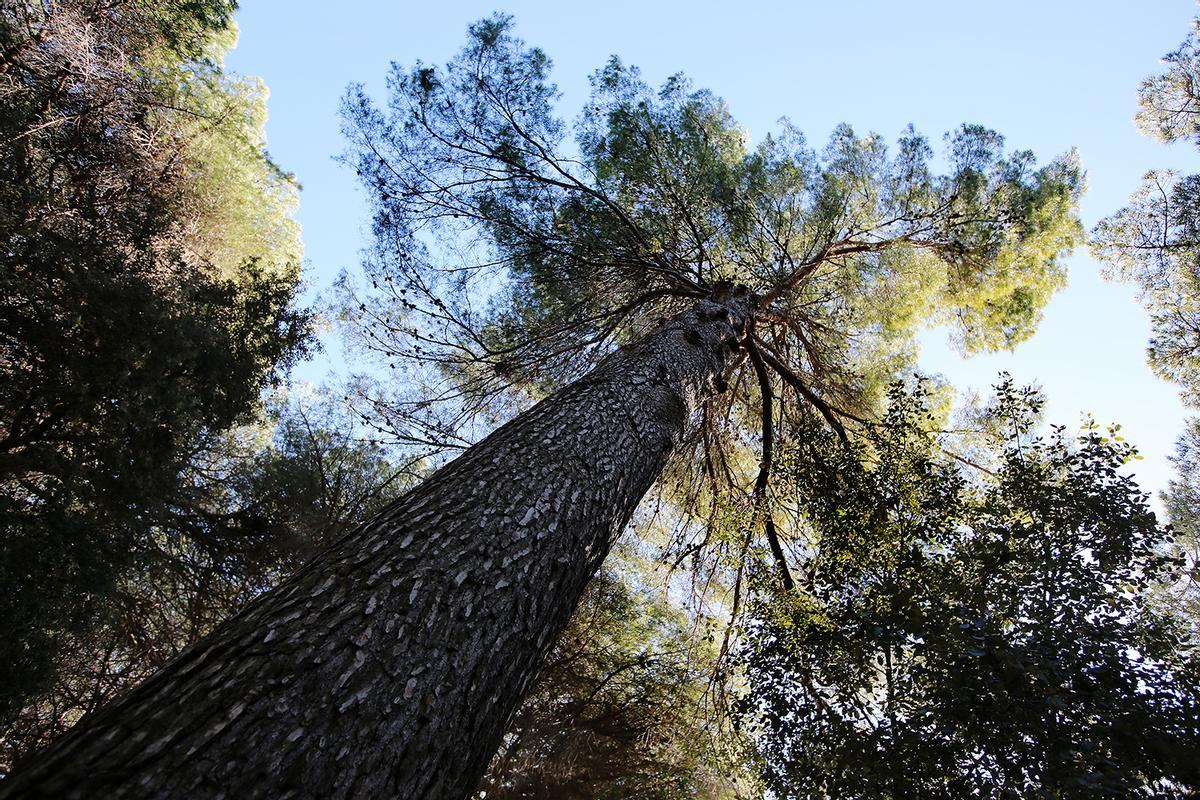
(148, 262)
(964, 637)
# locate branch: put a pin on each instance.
(764, 468)
(827, 411)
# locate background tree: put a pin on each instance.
(1155, 243)
(974, 637)
(148, 262)
(1182, 504)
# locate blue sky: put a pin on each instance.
(1049, 75)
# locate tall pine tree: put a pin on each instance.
(392, 662)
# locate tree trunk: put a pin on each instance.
(390, 665)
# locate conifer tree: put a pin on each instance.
(392, 662)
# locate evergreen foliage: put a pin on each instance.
(1155, 243)
(509, 259)
(852, 248)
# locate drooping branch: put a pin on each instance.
(761, 508)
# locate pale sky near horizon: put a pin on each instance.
(1048, 75)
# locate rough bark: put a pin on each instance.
(390, 665)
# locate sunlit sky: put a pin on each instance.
(1049, 75)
